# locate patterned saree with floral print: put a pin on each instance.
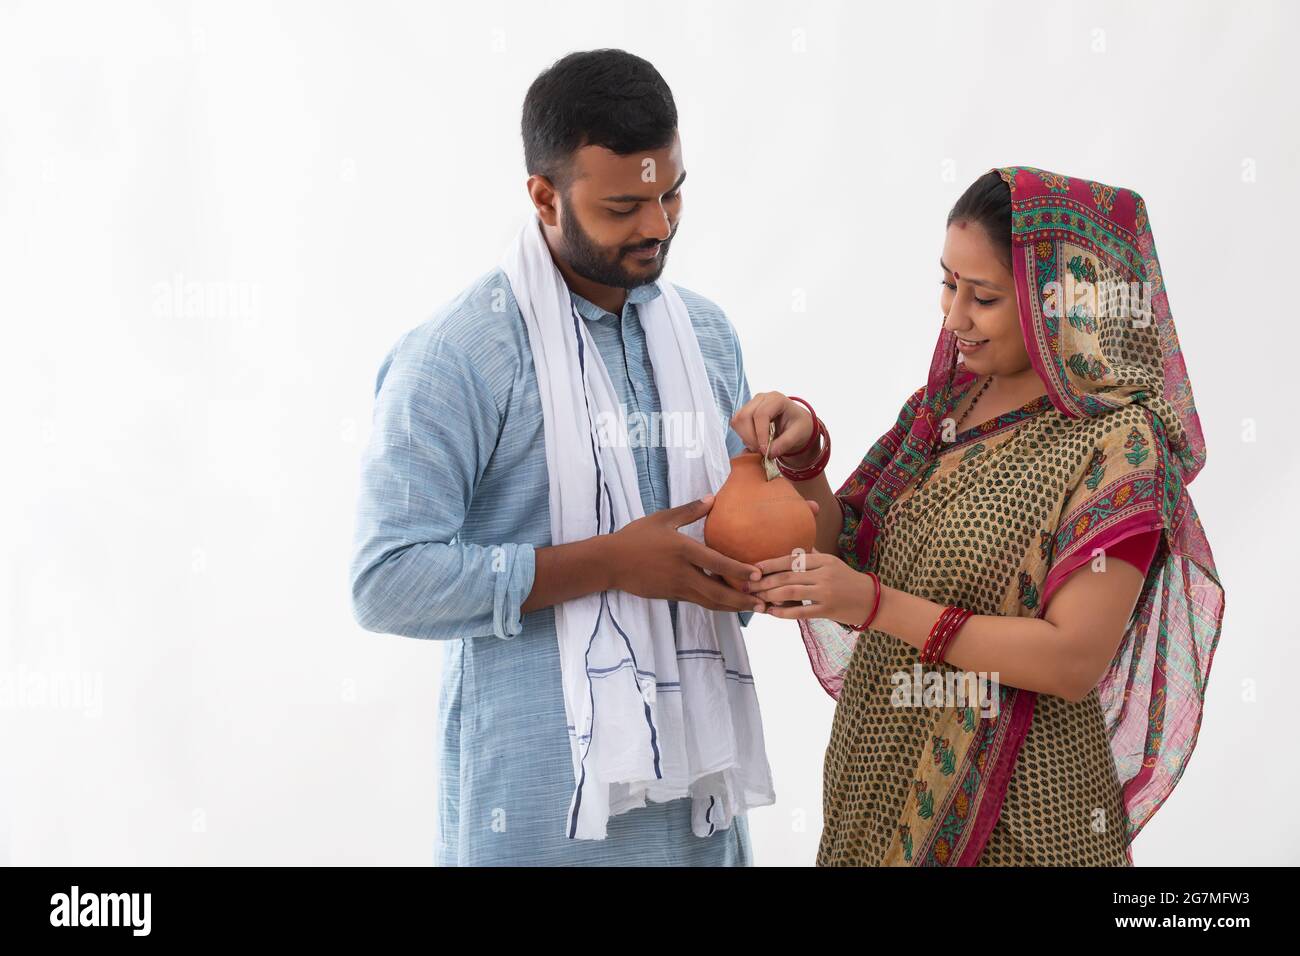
(927, 765)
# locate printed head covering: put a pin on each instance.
(1093, 306)
(1093, 311)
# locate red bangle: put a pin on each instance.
(932, 641)
(946, 638)
(875, 605)
(927, 652)
(941, 635)
(941, 651)
(811, 438)
(818, 465)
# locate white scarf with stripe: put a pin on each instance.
(652, 716)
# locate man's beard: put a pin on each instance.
(592, 262)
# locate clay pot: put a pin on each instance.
(753, 519)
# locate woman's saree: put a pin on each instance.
(915, 775)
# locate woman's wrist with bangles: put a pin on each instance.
(898, 615)
(873, 602)
(799, 460)
(806, 463)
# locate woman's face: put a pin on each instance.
(979, 302)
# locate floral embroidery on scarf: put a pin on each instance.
(1103, 197)
(1083, 269)
(1096, 469)
(1152, 268)
(944, 758)
(1156, 713)
(1056, 183)
(1140, 213)
(1138, 444)
(924, 800)
(1087, 366)
(1028, 593)
(942, 851)
(1081, 320)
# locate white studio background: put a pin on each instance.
(181, 470)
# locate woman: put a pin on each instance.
(1027, 519)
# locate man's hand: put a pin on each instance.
(652, 559)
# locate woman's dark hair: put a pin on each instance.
(607, 98)
(987, 201)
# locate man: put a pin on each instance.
(454, 532)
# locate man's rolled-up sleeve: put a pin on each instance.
(435, 426)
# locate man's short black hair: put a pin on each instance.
(608, 98)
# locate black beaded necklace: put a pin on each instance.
(969, 408)
(956, 429)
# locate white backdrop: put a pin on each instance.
(216, 218)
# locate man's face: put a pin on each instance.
(619, 214)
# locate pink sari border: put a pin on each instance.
(1022, 714)
(1132, 525)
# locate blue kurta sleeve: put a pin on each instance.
(436, 423)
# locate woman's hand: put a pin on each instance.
(836, 591)
(794, 426)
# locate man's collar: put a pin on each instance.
(638, 296)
